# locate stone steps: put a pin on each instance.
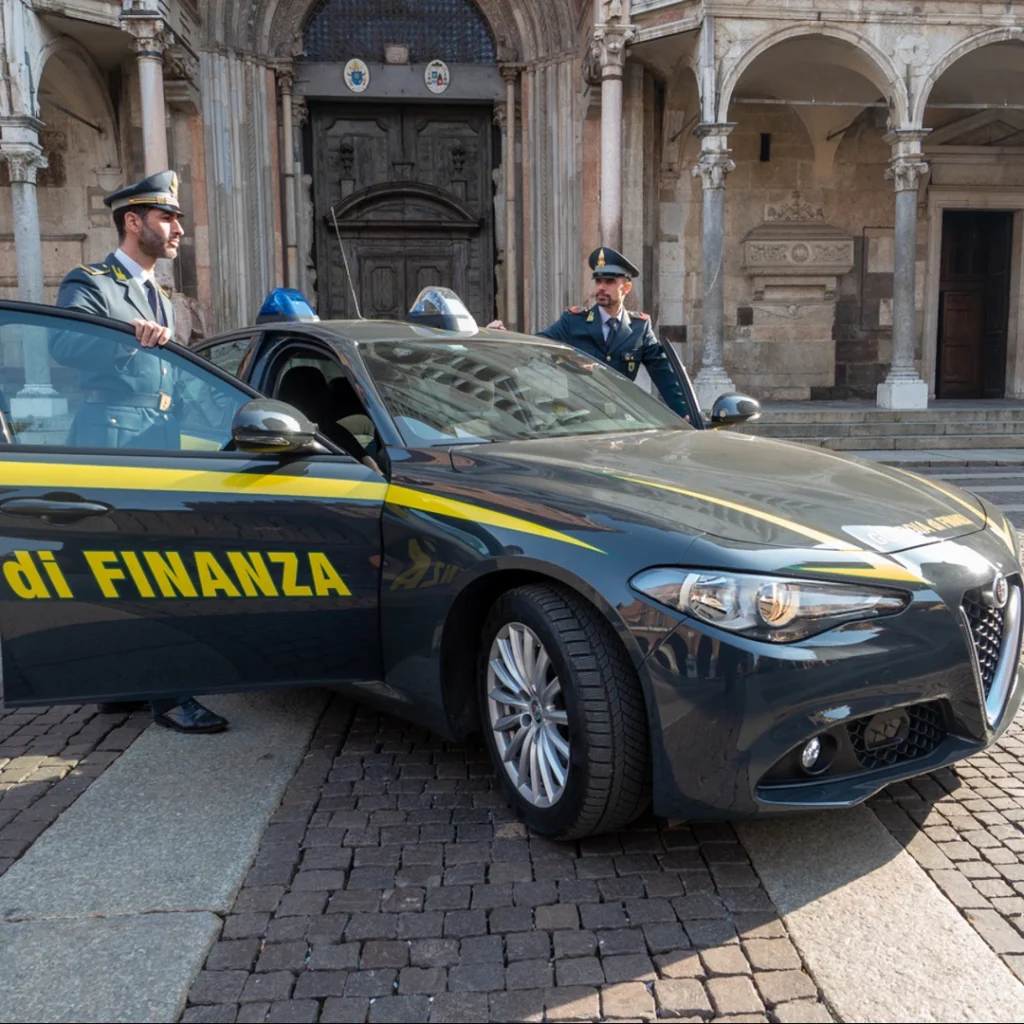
(862, 427)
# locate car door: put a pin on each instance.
(133, 564)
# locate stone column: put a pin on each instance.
(510, 72)
(903, 388)
(21, 150)
(151, 39)
(285, 81)
(712, 167)
(612, 33)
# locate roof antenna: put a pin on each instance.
(344, 259)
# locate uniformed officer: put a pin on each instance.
(129, 391)
(609, 332)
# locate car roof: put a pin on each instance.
(361, 331)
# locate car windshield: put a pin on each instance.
(443, 392)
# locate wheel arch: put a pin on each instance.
(466, 617)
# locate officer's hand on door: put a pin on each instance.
(495, 325)
(150, 333)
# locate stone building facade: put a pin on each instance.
(826, 199)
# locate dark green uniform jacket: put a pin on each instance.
(129, 390)
(633, 344)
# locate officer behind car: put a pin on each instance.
(129, 392)
(608, 332)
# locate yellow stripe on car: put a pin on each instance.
(436, 504)
(66, 475)
(1000, 529)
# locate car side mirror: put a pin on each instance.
(266, 426)
(729, 410)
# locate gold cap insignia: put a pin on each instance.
(600, 258)
(174, 187)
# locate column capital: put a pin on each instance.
(284, 71)
(23, 161)
(510, 71)
(907, 167)
(608, 47)
(180, 63)
(501, 114)
(715, 161)
(152, 36)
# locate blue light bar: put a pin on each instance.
(285, 304)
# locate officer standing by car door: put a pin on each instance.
(129, 394)
(609, 332)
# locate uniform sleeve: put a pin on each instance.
(662, 373)
(558, 331)
(84, 350)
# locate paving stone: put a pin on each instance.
(530, 945)
(734, 995)
(379, 953)
(458, 1007)
(772, 954)
(272, 986)
(683, 997)
(372, 983)
(294, 1011)
(802, 1011)
(253, 1013)
(399, 1009)
(585, 970)
(572, 1003)
(212, 987)
(783, 986)
(345, 1011)
(996, 931)
(724, 960)
(574, 943)
(285, 956)
(558, 917)
(525, 974)
(621, 940)
(344, 957)
(525, 1005)
(220, 1014)
(422, 980)
(487, 977)
(434, 952)
(630, 1000)
(237, 955)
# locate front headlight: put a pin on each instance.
(771, 608)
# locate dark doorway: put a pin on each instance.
(413, 192)
(974, 302)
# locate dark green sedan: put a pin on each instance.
(491, 532)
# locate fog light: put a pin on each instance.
(810, 754)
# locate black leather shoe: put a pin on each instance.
(191, 716)
(121, 707)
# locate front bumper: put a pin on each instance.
(888, 699)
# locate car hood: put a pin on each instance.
(740, 488)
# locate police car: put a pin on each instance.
(492, 532)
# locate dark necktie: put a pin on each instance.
(613, 326)
(154, 302)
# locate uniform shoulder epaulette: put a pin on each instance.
(95, 269)
(576, 309)
(641, 316)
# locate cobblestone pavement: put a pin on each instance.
(965, 826)
(394, 884)
(48, 758)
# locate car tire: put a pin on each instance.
(585, 718)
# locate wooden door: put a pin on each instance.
(973, 304)
(412, 191)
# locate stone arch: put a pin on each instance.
(70, 52)
(952, 55)
(272, 27)
(876, 66)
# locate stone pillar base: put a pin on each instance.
(903, 394)
(38, 406)
(711, 382)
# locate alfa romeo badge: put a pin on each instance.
(437, 76)
(357, 75)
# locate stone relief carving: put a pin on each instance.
(794, 208)
(780, 255)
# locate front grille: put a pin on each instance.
(918, 729)
(987, 633)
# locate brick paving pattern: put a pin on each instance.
(394, 884)
(965, 826)
(48, 758)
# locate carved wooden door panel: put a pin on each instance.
(412, 191)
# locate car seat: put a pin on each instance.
(306, 388)
(348, 411)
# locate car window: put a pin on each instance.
(440, 392)
(73, 384)
(227, 355)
